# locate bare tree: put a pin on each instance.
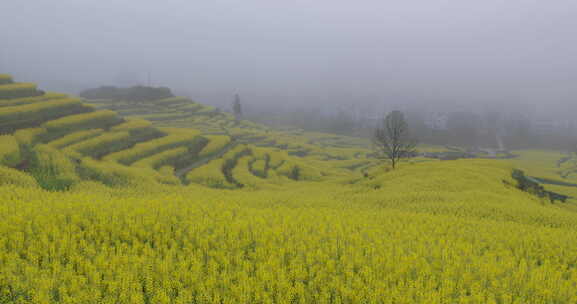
(391, 140)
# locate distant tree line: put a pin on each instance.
(135, 93)
(311, 119)
(461, 128)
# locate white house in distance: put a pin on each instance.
(437, 120)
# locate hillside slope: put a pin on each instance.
(428, 233)
(61, 140)
(100, 208)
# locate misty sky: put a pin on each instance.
(302, 52)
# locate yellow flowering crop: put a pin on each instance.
(74, 138)
(141, 150)
(83, 121)
(9, 151)
(15, 90)
(160, 159)
(29, 100)
(215, 144)
(448, 240)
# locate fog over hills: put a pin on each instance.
(496, 53)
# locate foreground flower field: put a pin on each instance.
(438, 232)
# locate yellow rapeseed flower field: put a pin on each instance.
(442, 232)
(98, 209)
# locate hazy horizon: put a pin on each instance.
(491, 53)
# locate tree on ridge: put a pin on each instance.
(391, 139)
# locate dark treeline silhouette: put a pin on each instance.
(136, 93)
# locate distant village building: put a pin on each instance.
(437, 120)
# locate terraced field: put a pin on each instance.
(336, 155)
(180, 141)
(195, 207)
(183, 141)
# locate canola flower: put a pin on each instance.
(210, 175)
(83, 121)
(311, 243)
(30, 100)
(95, 144)
(75, 137)
(53, 169)
(175, 138)
(259, 167)
(242, 174)
(160, 159)
(27, 137)
(215, 144)
(15, 90)
(15, 113)
(116, 175)
(9, 151)
(79, 230)
(132, 124)
(213, 173)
